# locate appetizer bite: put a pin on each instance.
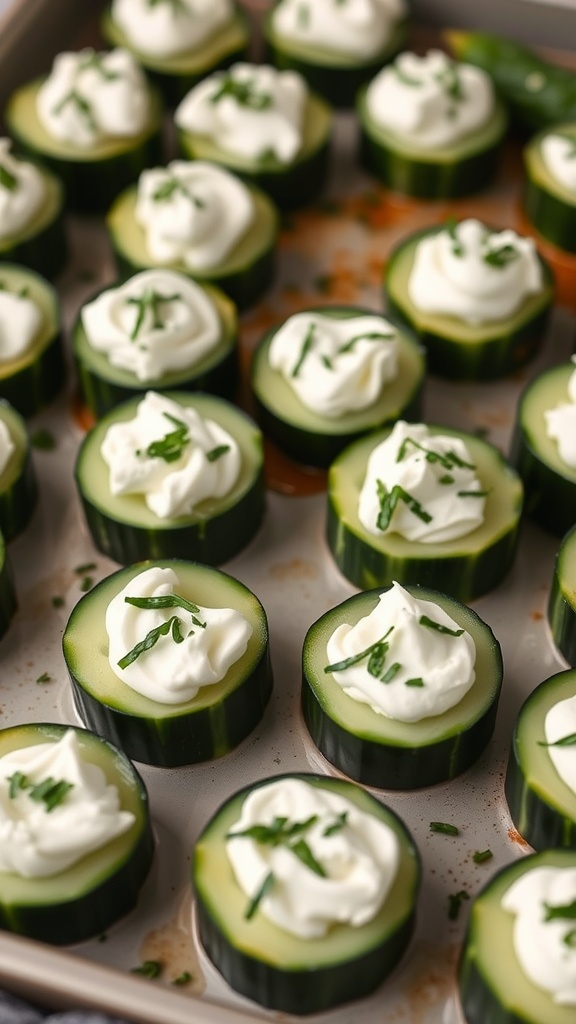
(199, 219)
(562, 600)
(544, 447)
(328, 375)
(425, 505)
(94, 120)
(541, 776)
(159, 330)
(263, 124)
(168, 476)
(478, 299)
(400, 687)
(18, 484)
(170, 661)
(77, 841)
(550, 187)
(31, 215)
(337, 47)
(430, 127)
(306, 891)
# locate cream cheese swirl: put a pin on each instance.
(357, 28)
(22, 191)
(170, 27)
(561, 423)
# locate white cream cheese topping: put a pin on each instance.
(357, 28)
(169, 27)
(20, 321)
(560, 722)
(7, 446)
(430, 101)
(22, 191)
(171, 456)
(543, 937)
(561, 423)
(90, 97)
(422, 486)
(408, 659)
(37, 841)
(197, 651)
(357, 853)
(250, 110)
(335, 365)
(156, 323)
(477, 275)
(559, 156)
(193, 212)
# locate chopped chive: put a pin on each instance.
(245, 93)
(455, 901)
(446, 479)
(50, 792)
(16, 782)
(367, 336)
(57, 601)
(406, 79)
(457, 247)
(182, 979)
(472, 494)
(259, 896)
(168, 601)
(172, 626)
(424, 620)
(306, 346)
(481, 856)
(501, 257)
(44, 678)
(304, 853)
(336, 825)
(445, 828)
(448, 460)
(569, 939)
(8, 180)
(149, 969)
(565, 741)
(341, 666)
(81, 570)
(417, 681)
(389, 500)
(391, 673)
(86, 584)
(43, 440)
(561, 912)
(216, 453)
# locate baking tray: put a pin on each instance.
(331, 253)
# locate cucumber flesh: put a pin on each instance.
(41, 244)
(18, 484)
(562, 601)
(549, 205)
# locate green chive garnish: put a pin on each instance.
(424, 620)
(445, 828)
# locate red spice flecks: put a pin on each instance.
(536, 616)
(83, 417)
(515, 837)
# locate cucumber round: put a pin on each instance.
(8, 600)
(335, 76)
(245, 274)
(549, 205)
(464, 568)
(492, 985)
(542, 806)
(33, 379)
(124, 529)
(85, 899)
(463, 351)
(18, 485)
(92, 178)
(104, 386)
(273, 967)
(176, 75)
(460, 169)
(562, 600)
(383, 752)
(204, 728)
(289, 185)
(41, 244)
(314, 439)
(550, 484)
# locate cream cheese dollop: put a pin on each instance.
(561, 423)
(174, 669)
(560, 721)
(36, 842)
(249, 110)
(167, 28)
(20, 321)
(207, 466)
(422, 486)
(477, 275)
(357, 28)
(92, 97)
(424, 670)
(155, 323)
(358, 852)
(559, 156)
(22, 191)
(193, 212)
(430, 101)
(540, 940)
(335, 366)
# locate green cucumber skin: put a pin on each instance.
(37, 384)
(19, 501)
(479, 1002)
(550, 498)
(539, 824)
(46, 252)
(8, 599)
(562, 604)
(552, 218)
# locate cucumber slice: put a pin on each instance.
(542, 806)
(33, 379)
(492, 985)
(104, 386)
(168, 735)
(562, 601)
(464, 568)
(92, 178)
(88, 897)
(8, 600)
(18, 485)
(335, 76)
(549, 483)
(176, 75)
(273, 967)
(460, 169)
(380, 751)
(463, 351)
(41, 244)
(124, 529)
(289, 185)
(317, 440)
(549, 205)
(245, 274)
